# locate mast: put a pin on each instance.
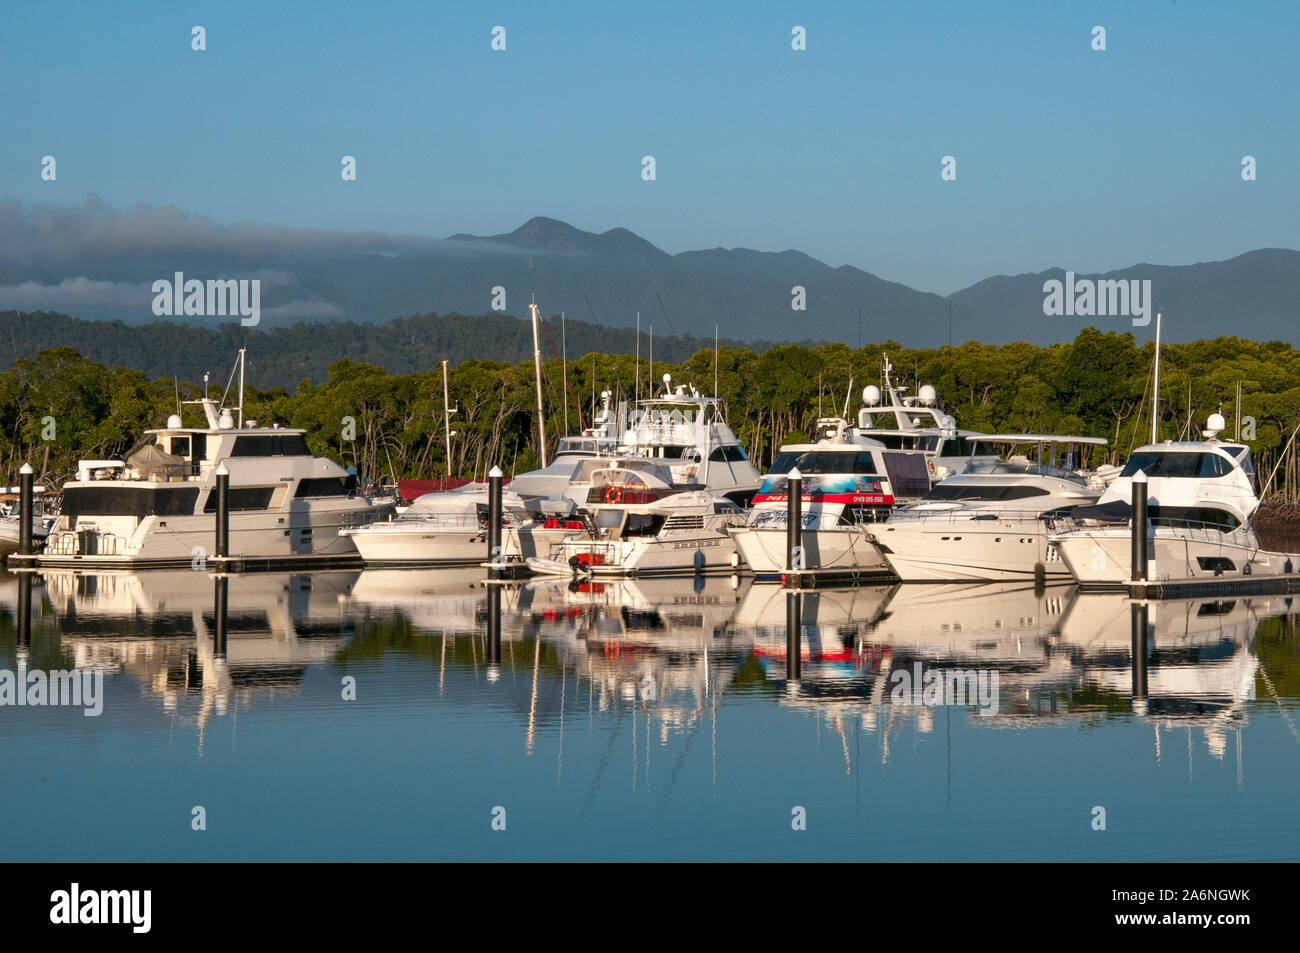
(241, 388)
(447, 411)
(715, 362)
(636, 387)
(1155, 390)
(1238, 411)
(564, 372)
(537, 368)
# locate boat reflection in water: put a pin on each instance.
(643, 718)
(167, 630)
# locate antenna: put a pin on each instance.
(636, 387)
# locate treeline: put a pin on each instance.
(285, 356)
(60, 406)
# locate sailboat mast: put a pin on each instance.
(564, 372)
(241, 388)
(537, 368)
(446, 416)
(1155, 390)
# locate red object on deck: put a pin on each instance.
(591, 559)
(410, 489)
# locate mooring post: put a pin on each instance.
(794, 561)
(222, 542)
(793, 634)
(220, 613)
(496, 558)
(1138, 648)
(493, 631)
(25, 510)
(1140, 554)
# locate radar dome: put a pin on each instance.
(927, 394)
(1214, 426)
(871, 395)
(174, 422)
(225, 421)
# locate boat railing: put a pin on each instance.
(1203, 529)
(964, 516)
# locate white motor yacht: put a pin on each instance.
(681, 532)
(988, 523)
(1201, 503)
(850, 482)
(158, 507)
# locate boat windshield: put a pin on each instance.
(1177, 465)
(989, 492)
(826, 461)
(1013, 468)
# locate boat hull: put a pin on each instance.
(841, 550)
(1101, 558)
(992, 551)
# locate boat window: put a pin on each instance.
(120, 500)
(828, 461)
(642, 524)
(1193, 517)
(325, 486)
(270, 445)
(180, 446)
(1245, 461)
(1177, 465)
(729, 454)
(959, 491)
(242, 498)
(970, 447)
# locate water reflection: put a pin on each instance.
(641, 666)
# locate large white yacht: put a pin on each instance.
(674, 443)
(850, 482)
(987, 522)
(853, 477)
(1201, 503)
(158, 507)
(684, 532)
(915, 424)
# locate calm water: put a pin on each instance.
(643, 720)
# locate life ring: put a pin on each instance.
(613, 494)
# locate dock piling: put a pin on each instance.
(222, 542)
(25, 510)
(496, 558)
(794, 561)
(1140, 553)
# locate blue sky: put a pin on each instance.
(1065, 156)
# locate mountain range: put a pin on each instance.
(98, 262)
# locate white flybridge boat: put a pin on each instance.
(449, 527)
(158, 507)
(1201, 504)
(916, 425)
(849, 483)
(681, 532)
(683, 433)
(853, 477)
(989, 522)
